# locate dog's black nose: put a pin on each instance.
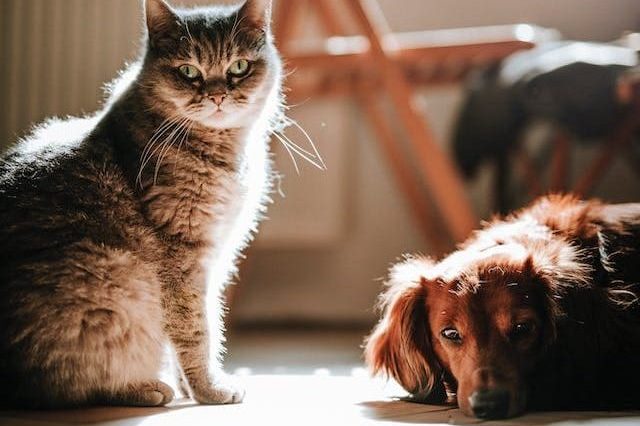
(490, 404)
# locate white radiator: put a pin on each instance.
(55, 55)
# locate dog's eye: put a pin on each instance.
(452, 334)
(522, 330)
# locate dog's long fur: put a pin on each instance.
(571, 267)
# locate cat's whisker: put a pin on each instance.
(168, 141)
(177, 135)
(159, 130)
(182, 136)
(291, 106)
(234, 29)
(287, 73)
(304, 132)
(173, 119)
(149, 146)
(166, 146)
(291, 149)
(147, 152)
(152, 149)
(306, 158)
(293, 158)
(182, 141)
(306, 155)
(157, 134)
(186, 25)
(283, 135)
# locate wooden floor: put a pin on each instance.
(300, 378)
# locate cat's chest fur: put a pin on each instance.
(210, 193)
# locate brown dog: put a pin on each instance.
(539, 310)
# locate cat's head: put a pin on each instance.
(213, 65)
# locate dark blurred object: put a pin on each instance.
(576, 86)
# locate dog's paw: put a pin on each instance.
(223, 391)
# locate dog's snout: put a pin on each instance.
(490, 403)
(486, 378)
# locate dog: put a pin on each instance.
(539, 310)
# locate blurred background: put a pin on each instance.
(331, 235)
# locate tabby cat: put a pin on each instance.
(119, 231)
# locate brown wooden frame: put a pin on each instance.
(394, 64)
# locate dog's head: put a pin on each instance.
(474, 325)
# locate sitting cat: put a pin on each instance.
(119, 231)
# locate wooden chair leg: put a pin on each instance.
(633, 159)
(328, 16)
(501, 184)
(402, 169)
(285, 22)
(438, 172)
(530, 175)
(621, 137)
(560, 162)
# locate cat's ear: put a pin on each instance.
(162, 21)
(257, 11)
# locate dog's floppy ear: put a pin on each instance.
(548, 307)
(555, 267)
(400, 344)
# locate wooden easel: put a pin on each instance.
(383, 64)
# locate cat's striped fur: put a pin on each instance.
(119, 231)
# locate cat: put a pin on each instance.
(119, 231)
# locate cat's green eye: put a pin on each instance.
(239, 67)
(189, 71)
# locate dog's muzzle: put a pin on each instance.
(490, 404)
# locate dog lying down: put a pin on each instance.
(535, 311)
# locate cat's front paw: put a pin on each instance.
(221, 392)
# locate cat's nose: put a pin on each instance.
(218, 98)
